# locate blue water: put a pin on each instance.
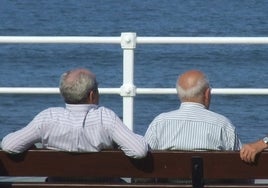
(35, 65)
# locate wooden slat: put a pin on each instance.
(35, 185)
(92, 185)
(158, 164)
(166, 164)
(229, 165)
(101, 164)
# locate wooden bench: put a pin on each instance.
(203, 169)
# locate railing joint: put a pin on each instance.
(128, 90)
(128, 40)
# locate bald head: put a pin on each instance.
(192, 87)
(190, 79)
(76, 85)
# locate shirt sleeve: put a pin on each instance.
(133, 145)
(21, 140)
(232, 140)
(150, 136)
(237, 142)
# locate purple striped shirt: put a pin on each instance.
(77, 128)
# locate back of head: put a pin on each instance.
(75, 86)
(191, 86)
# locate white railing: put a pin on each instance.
(128, 42)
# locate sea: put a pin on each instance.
(156, 66)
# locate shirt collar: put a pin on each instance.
(192, 104)
(80, 107)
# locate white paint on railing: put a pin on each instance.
(59, 40)
(48, 90)
(214, 91)
(128, 89)
(240, 91)
(140, 91)
(139, 40)
(202, 40)
(128, 43)
(28, 90)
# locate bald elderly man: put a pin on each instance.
(193, 126)
(80, 126)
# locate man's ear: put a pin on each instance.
(93, 97)
(208, 92)
(207, 97)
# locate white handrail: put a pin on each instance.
(128, 43)
(141, 91)
(202, 40)
(139, 40)
(48, 90)
(58, 40)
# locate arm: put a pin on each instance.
(21, 140)
(249, 151)
(131, 144)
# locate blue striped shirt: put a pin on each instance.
(192, 127)
(77, 128)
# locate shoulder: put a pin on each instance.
(166, 116)
(106, 111)
(218, 116)
(51, 111)
(221, 119)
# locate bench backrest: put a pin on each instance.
(158, 164)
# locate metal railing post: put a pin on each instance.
(128, 89)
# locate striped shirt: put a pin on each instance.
(192, 127)
(77, 128)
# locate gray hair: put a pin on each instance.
(77, 89)
(193, 92)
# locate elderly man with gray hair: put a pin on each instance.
(193, 126)
(80, 126)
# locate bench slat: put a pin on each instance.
(168, 164)
(19, 185)
(220, 167)
(99, 185)
(101, 164)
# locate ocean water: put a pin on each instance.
(40, 65)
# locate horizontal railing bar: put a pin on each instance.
(240, 91)
(140, 40)
(202, 40)
(59, 39)
(215, 91)
(48, 90)
(29, 90)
